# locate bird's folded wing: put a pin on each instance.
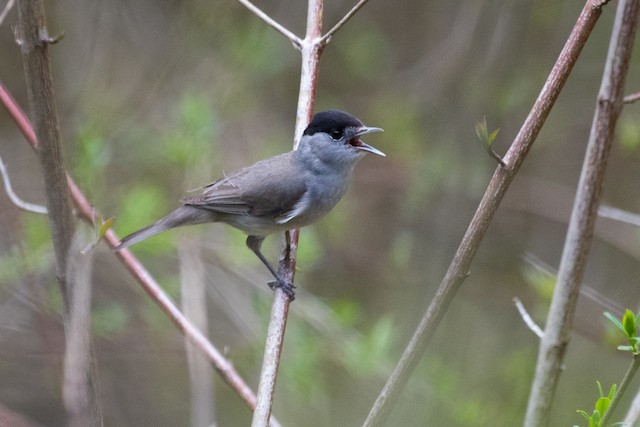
(266, 189)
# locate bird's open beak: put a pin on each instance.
(357, 142)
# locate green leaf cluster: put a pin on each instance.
(629, 327)
(600, 408)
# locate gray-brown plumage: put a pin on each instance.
(280, 193)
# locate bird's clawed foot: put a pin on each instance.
(286, 287)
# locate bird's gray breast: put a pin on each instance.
(324, 191)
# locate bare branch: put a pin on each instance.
(85, 210)
(619, 215)
(39, 81)
(555, 342)
(502, 178)
(77, 355)
(633, 414)
(311, 50)
(6, 10)
(327, 37)
(630, 99)
(624, 384)
(295, 40)
(26, 206)
(527, 318)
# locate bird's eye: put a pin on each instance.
(336, 134)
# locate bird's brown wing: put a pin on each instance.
(270, 188)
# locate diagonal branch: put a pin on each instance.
(6, 10)
(327, 37)
(502, 178)
(577, 244)
(85, 211)
(295, 40)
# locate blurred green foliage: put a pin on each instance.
(164, 96)
(91, 157)
(109, 320)
(629, 131)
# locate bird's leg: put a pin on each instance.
(254, 243)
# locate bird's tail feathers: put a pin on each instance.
(181, 216)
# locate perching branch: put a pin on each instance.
(84, 210)
(583, 217)
(502, 178)
(311, 51)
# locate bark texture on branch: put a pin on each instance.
(577, 245)
(82, 402)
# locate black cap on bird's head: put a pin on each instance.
(342, 126)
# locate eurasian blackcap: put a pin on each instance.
(280, 193)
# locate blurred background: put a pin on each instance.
(159, 97)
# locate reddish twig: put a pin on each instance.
(143, 277)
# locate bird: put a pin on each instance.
(283, 192)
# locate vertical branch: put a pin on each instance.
(583, 216)
(194, 307)
(153, 289)
(34, 44)
(502, 178)
(311, 50)
(35, 52)
(78, 356)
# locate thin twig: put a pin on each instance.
(6, 10)
(85, 211)
(502, 178)
(327, 37)
(39, 82)
(633, 414)
(630, 99)
(26, 206)
(624, 384)
(577, 245)
(295, 40)
(619, 215)
(527, 318)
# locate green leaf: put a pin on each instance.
(614, 320)
(481, 131)
(629, 323)
(106, 225)
(612, 391)
(602, 404)
(493, 135)
(487, 139)
(584, 414)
